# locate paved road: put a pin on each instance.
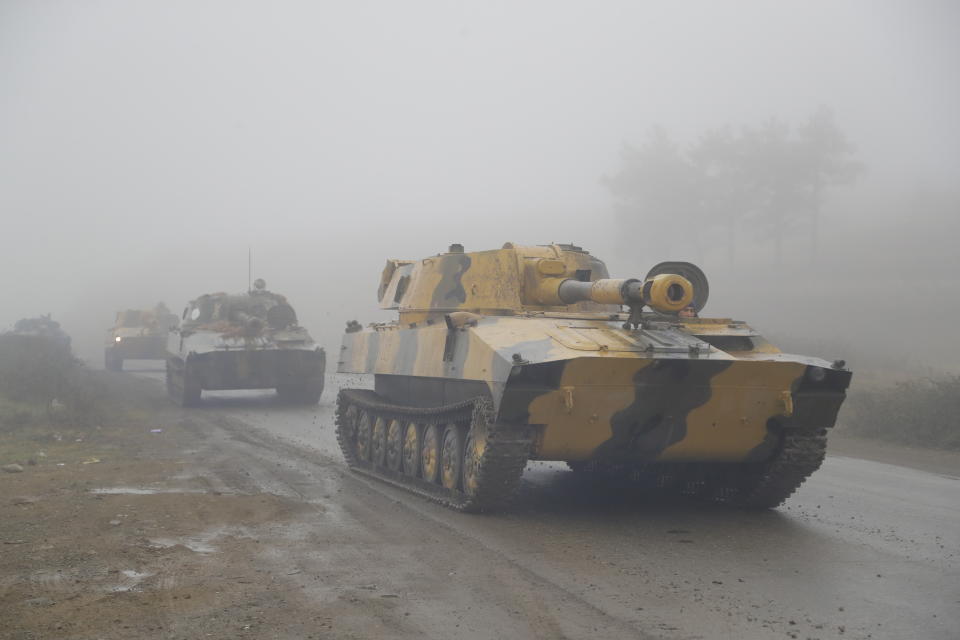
(862, 550)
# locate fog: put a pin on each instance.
(144, 147)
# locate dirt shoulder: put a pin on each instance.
(117, 531)
(170, 523)
(167, 523)
(930, 460)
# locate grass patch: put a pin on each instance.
(918, 412)
(44, 445)
(41, 382)
(52, 409)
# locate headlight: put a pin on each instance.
(117, 339)
(817, 374)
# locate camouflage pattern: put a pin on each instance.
(592, 386)
(138, 334)
(245, 341)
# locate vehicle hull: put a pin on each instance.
(151, 347)
(584, 402)
(255, 369)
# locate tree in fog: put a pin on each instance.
(825, 160)
(769, 178)
(658, 192)
(788, 173)
(724, 188)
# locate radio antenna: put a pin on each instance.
(249, 269)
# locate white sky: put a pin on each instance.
(165, 137)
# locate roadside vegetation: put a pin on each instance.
(921, 412)
(50, 405)
(40, 380)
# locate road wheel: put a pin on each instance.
(394, 445)
(472, 457)
(378, 446)
(451, 457)
(411, 449)
(364, 436)
(430, 453)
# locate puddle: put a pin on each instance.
(194, 543)
(133, 580)
(201, 542)
(142, 491)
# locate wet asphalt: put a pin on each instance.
(862, 550)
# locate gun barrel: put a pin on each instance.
(667, 292)
(605, 291)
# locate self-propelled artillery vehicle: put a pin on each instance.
(138, 334)
(244, 341)
(520, 353)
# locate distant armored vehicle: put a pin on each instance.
(245, 341)
(535, 353)
(138, 334)
(36, 362)
(42, 330)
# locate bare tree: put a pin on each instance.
(657, 190)
(771, 177)
(724, 190)
(826, 160)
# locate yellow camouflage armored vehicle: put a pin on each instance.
(520, 353)
(244, 341)
(138, 334)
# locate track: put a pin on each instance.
(491, 456)
(801, 453)
(747, 486)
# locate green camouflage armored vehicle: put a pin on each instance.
(534, 353)
(245, 341)
(138, 334)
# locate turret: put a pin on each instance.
(518, 279)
